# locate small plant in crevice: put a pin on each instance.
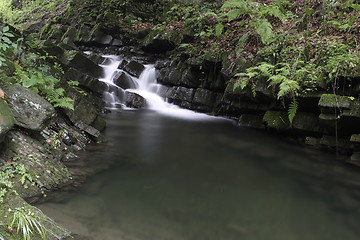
(26, 223)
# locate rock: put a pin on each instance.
(331, 141)
(6, 119)
(134, 100)
(134, 68)
(42, 164)
(30, 110)
(251, 120)
(312, 141)
(183, 94)
(86, 81)
(306, 122)
(12, 200)
(331, 102)
(204, 97)
(277, 119)
(82, 63)
(124, 81)
(160, 46)
(86, 109)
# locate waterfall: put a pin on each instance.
(144, 85)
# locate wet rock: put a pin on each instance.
(29, 109)
(134, 68)
(276, 119)
(204, 97)
(124, 81)
(81, 62)
(306, 122)
(86, 81)
(183, 94)
(331, 141)
(6, 119)
(86, 109)
(134, 100)
(251, 120)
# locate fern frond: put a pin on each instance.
(264, 28)
(276, 80)
(293, 107)
(241, 83)
(288, 87)
(266, 69)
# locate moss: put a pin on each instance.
(334, 101)
(277, 119)
(355, 138)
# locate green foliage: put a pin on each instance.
(264, 28)
(293, 107)
(27, 223)
(38, 81)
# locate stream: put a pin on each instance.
(177, 175)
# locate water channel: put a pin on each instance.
(187, 176)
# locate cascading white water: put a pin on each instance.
(146, 86)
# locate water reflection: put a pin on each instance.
(209, 180)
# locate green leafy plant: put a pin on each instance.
(27, 223)
(292, 110)
(38, 81)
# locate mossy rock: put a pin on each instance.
(41, 164)
(13, 201)
(7, 119)
(277, 119)
(334, 101)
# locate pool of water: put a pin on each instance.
(208, 179)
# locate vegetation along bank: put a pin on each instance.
(291, 67)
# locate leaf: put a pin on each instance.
(219, 28)
(264, 28)
(234, 14)
(241, 43)
(293, 107)
(288, 87)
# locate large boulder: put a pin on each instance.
(43, 167)
(29, 109)
(81, 62)
(6, 119)
(86, 109)
(124, 81)
(134, 100)
(134, 68)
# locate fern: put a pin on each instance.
(219, 28)
(273, 11)
(288, 87)
(293, 107)
(264, 28)
(241, 83)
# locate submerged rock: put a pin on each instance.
(6, 119)
(30, 110)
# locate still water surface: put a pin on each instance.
(176, 179)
